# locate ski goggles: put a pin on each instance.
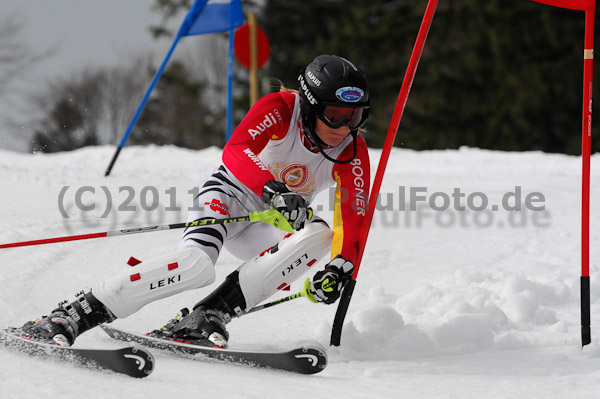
(336, 116)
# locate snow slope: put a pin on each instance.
(448, 304)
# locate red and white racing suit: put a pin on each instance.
(269, 145)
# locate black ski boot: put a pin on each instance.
(205, 325)
(68, 321)
(166, 331)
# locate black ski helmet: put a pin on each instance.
(332, 81)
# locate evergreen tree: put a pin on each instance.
(74, 109)
(177, 113)
(498, 74)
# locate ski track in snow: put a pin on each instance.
(447, 304)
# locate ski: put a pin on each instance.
(302, 360)
(132, 361)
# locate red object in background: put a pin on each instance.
(581, 5)
(241, 46)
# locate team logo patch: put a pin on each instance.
(217, 206)
(295, 175)
(349, 94)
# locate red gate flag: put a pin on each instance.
(581, 5)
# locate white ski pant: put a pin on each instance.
(221, 197)
(271, 262)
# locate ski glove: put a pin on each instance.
(326, 286)
(291, 205)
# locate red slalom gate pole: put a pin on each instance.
(342, 309)
(589, 6)
(586, 142)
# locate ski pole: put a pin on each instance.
(338, 322)
(277, 302)
(271, 217)
(303, 293)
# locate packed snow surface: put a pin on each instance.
(469, 286)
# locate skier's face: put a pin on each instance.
(329, 135)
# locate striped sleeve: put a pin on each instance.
(269, 119)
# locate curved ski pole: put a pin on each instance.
(275, 302)
(271, 217)
(304, 293)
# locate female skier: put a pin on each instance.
(290, 146)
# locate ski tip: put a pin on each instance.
(133, 361)
(139, 361)
(311, 359)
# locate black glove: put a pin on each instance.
(326, 286)
(290, 204)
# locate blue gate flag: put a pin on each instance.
(205, 16)
(213, 16)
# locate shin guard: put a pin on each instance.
(155, 279)
(262, 276)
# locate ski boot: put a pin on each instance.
(167, 331)
(68, 321)
(205, 325)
